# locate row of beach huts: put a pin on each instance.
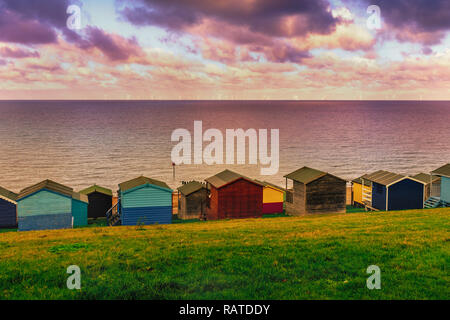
(226, 195)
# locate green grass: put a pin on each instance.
(314, 257)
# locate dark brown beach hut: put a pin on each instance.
(315, 191)
(100, 200)
(232, 195)
(192, 198)
(8, 209)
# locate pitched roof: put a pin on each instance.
(360, 179)
(46, 184)
(80, 197)
(268, 184)
(8, 195)
(96, 188)
(424, 177)
(443, 171)
(305, 175)
(139, 181)
(190, 187)
(384, 177)
(227, 176)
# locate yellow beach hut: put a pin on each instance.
(273, 198)
(362, 191)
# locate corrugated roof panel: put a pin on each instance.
(139, 181)
(227, 176)
(96, 188)
(443, 171)
(8, 194)
(191, 187)
(46, 184)
(424, 177)
(305, 175)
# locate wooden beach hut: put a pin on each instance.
(192, 199)
(145, 201)
(314, 191)
(232, 195)
(46, 205)
(8, 212)
(392, 191)
(100, 201)
(80, 203)
(361, 191)
(273, 198)
(444, 194)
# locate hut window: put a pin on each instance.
(289, 197)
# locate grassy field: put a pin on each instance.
(319, 257)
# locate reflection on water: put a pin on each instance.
(79, 143)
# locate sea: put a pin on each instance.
(80, 143)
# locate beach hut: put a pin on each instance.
(145, 201)
(8, 213)
(100, 201)
(232, 195)
(426, 178)
(80, 203)
(444, 173)
(392, 191)
(273, 198)
(192, 198)
(314, 191)
(361, 191)
(46, 205)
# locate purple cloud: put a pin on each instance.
(18, 53)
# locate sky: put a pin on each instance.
(225, 49)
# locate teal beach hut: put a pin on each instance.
(80, 204)
(43, 206)
(443, 195)
(145, 201)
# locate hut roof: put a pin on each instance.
(443, 171)
(424, 177)
(46, 184)
(80, 197)
(139, 181)
(96, 188)
(307, 175)
(360, 179)
(384, 177)
(8, 195)
(226, 177)
(268, 184)
(190, 187)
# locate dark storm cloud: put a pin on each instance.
(32, 22)
(264, 16)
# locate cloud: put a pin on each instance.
(421, 21)
(264, 16)
(17, 53)
(32, 22)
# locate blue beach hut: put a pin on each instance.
(46, 205)
(391, 191)
(444, 173)
(8, 214)
(80, 204)
(145, 201)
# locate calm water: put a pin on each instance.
(81, 143)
